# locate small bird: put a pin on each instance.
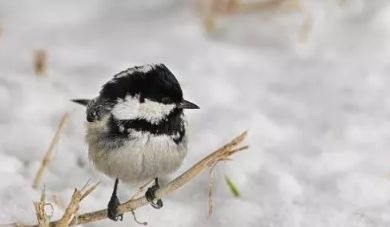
(136, 129)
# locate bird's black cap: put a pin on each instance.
(154, 82)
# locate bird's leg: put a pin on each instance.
(112, 207)
(151, 195)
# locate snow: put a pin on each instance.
(317, 108)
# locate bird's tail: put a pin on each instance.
(83, 102)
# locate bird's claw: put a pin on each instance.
(151, 196)
(112, 209)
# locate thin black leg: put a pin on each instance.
(112, 207)
(151, 195)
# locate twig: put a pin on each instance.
(210, 189)
(42, 218)
(40, 62)
(212, 10)
(49, 153)
(218, 155)
(73, 207)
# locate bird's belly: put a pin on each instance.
(140, 159)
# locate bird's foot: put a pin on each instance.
(112, 208)
(151, 195)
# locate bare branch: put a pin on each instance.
(49, 153)
(43, 219)
(210, 189)
(219, 155)
(40, 62)
(74, 204)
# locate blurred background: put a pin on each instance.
(308, 79)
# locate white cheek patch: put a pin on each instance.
(152, 111)
(126, 108)
(131, 108)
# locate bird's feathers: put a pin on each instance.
(154, 82)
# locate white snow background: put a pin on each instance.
(317, 111)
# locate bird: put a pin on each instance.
(136, 129)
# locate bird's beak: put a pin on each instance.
(187, 105)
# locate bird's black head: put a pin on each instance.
(147, 92)
(154, 82)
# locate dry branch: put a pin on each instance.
(213, 10)
(40, 62)
(74, 205)
(49, 153)
(210, 189)
(42, 218)
(220, 154)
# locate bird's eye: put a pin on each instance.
(165, 100)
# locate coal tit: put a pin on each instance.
(136, 130)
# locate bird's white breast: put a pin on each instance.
(141, 157)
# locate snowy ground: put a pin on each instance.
(318, 111)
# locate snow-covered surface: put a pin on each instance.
(317, 110)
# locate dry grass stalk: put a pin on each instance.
(210, 189)
(40, 62)
(211, 10)
(74, 205)
(50, 151)
(42, 218)
(220, 154)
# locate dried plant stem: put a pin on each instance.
(71, 211)
(42, 218)
(219, 155)
(49, 153)
(40, 62)
(212, 10)
(210, 189)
